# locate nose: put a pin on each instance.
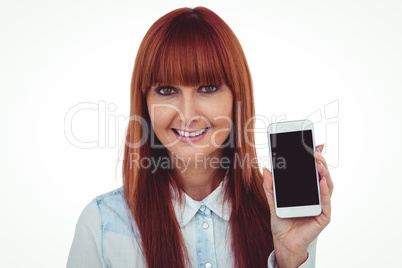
(189, 113)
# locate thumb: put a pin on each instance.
(269, 191)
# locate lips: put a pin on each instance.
(190, 135)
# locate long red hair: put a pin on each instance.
(193, 47)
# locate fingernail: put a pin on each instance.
(322, 164)
(322, 147)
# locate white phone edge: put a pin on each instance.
(298, 211)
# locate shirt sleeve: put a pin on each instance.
(309, 263)
(86, 247)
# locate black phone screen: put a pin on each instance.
(294, 169)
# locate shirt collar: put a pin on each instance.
(186, 209)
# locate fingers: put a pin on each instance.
(320, 147)
(324, 172)
(325, 216)
(322, 168)
(269, 191)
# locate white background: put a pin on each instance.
(303, 55)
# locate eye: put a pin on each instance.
(165, 90)
(209, 89)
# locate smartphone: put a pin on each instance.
(294, 171)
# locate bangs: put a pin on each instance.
(188, 52)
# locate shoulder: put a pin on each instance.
(114, 198)
(114, 214)
(104, 223)
(95, 209)
(109, 213)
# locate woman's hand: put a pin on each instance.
(292, 236)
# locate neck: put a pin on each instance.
(199, 180)
(198, 184)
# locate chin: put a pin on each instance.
(188, 156)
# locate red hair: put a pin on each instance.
(193, 47)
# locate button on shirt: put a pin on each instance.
(106, 235)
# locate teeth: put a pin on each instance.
(191, 134)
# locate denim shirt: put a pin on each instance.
(106, 236)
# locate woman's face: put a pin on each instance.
(191, 121)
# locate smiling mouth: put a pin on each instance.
(190, 134)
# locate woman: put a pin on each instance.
(192, 193)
